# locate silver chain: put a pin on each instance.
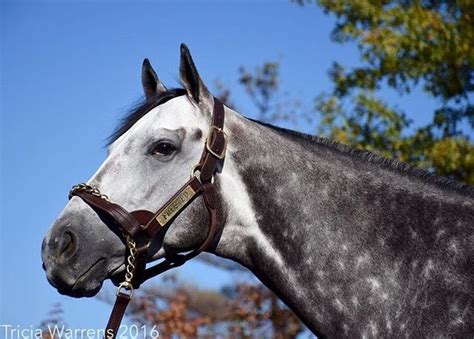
(83, 187)
(130, 268)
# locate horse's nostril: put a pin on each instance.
(68, 245)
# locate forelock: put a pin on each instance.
(140, 109)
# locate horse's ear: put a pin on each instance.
(191, 80)
(150, 81)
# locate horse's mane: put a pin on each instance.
(143, 107)
(391, 164)
(140, 109)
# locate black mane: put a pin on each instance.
(142, 108)
(391, 164)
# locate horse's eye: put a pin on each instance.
(164, 148)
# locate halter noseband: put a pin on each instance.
(141, 226)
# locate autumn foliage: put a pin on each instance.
(241, 310)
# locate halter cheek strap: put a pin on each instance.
(140, 227)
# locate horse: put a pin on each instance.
(355, 244)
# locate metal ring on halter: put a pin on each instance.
(125, 286)
(195, 168)
(213, 129)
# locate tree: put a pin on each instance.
(240, 310)
(403, 44)
(262, 85)
(54, 323)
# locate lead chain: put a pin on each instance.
(130, 268)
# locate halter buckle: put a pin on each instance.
(220, 155)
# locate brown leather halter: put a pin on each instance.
(140, 227)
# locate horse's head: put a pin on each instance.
(150, 157)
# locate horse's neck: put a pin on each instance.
(331, 241)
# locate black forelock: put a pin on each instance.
(141, 109)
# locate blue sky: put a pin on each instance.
(70, 69)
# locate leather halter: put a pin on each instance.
(141, 226)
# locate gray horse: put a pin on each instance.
(355, 244)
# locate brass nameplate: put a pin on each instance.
(175, 205)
